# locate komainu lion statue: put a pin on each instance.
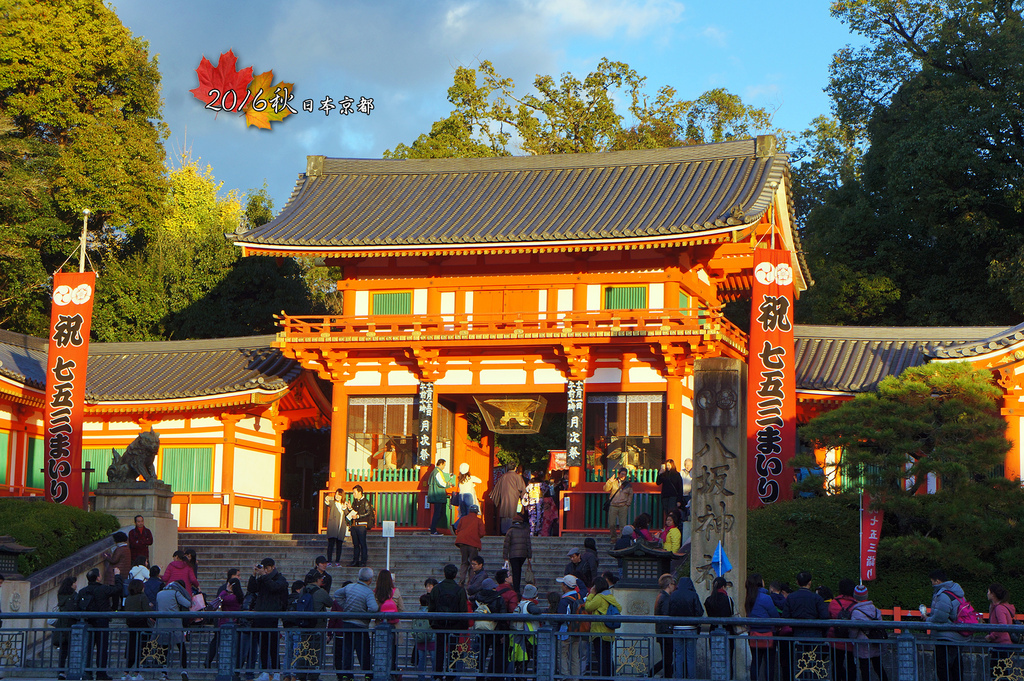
(136, 461)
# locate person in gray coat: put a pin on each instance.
(169, 631)
(355, 597)
(947, 598)
(337, 525)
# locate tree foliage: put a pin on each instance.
(940, 420)
(570, 115)
(928, 228)
(79, 128)
(184, 279)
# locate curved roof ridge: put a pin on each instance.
(971, 348)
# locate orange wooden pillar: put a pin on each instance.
(339, 435)
(227, 485)
(1013, 412)
(674, 421)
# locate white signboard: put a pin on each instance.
(387, 528)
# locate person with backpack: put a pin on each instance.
(571, 603)
(949, 606)
(505, 590)
(356, 597)
(600, 601)
(579, 568)
(320, 570)
(663, 627)
(137, 626)
(806, 604)
(523, 644)
(170, 632)
(719, 604)
(424, 644)
(844, 660)
(120, 557)
(1000, 611)
(758, 603)
(291, 627)
(493, 645)
(868, 654)
(360, 520)
(312, 599)
(684, 602)
(270, 594)
(518, 549)
(447, 596)
(97, 597)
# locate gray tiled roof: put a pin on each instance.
(1003, 339)
(159, 370)
(547, 199)
(856, 358)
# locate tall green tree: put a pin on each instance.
(941, 420)
(929, 229)
(80, 128)
(573, 115)
(185, 279)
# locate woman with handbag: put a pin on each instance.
(437, 494)
(758, 603)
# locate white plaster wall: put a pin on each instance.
(565, 300)
(503, 377)
(241, 519)
(419, 301)
(656, 296)
(254, 473)
(593, 297)
(402, 377)
(457, 377)
(364, 379)
(542, 303)
(548, 377)
(204, 515)
(703, 276)
(606, 375)
(686, 436)
(362, 303)
(447, 302)
(645, 374)
(267, 520)
(124, 426)
(218, 468)
(205, 423)
(469, 301)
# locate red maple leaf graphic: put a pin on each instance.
(216, 83)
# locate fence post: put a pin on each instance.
(227, 650)
(719, 641)
(383, 638)
(78, 650)
(906, 657)
(546, 653)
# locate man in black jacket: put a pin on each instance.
(684, 602)
(271, 590)
(360, 518)
(806, 604)
(97, 597)
(579, 568)
(447, 596)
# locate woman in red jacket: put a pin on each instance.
(1000, 611)
(179, 568)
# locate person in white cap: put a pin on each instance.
(467, 489)
(569, 637)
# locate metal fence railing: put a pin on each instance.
(420, 647)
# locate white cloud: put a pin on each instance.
(603, 18)
(715, 35)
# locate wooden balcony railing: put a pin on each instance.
(509, 325)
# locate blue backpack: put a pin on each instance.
(612, 612)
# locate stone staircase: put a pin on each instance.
(414, 556)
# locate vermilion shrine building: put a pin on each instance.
(497, 285)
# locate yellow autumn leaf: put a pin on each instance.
(267, 102)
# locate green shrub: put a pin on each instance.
(822, 535)
(55, 530)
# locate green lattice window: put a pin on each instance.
(625, 297)
(391, 303)
(188, 469)
(4, 443)
(34, 476)
(100, 459)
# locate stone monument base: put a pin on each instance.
(151, 500)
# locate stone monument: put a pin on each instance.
(718, 510)
(125, 496)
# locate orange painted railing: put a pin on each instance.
(479, 325)
(255, 505)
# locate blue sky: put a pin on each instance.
(403, 54)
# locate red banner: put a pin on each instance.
(771, 393)
(66, 359)
(870, 532)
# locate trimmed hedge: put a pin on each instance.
(822, 535)
(55, 530)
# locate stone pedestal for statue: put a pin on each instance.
(636, 592)
(151, 500)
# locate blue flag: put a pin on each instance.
(719, 561)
